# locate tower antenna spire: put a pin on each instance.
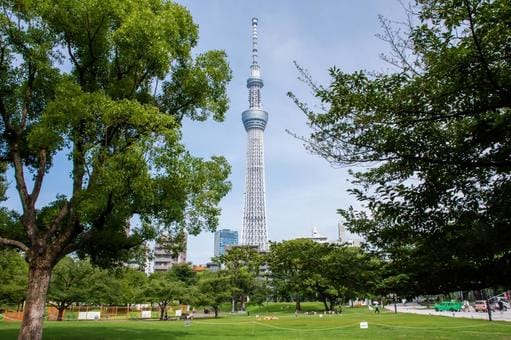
(254, 40)
(255, 70)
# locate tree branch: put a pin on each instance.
(77, 244)
(5, 116)
(41, 171)
(28, 96)
(56, 222)
(79, 67)
(20, 177)
(98, 223)
(14, 243)
(391, 39)
(477, 44)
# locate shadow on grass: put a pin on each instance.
(84, 330)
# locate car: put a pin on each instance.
(505, 304)
(480, 306)
(451, 306)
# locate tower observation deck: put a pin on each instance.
(253, 230)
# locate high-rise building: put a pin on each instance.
(224, 239)
(253, 230)
(164, 260)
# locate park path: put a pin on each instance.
(416, 309)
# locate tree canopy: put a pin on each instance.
(13, 271)
(434, 137)
(302, 269)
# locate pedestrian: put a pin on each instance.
(376, 308)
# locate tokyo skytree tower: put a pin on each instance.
(253, 230)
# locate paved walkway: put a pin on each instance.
(415, 309)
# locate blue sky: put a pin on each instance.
(302, 190)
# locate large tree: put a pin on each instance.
(106, 83)
(435, 137)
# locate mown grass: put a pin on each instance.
(381, 326)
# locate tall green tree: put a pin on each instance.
(435, 136)
(107, 83)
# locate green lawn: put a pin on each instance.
(383, 326)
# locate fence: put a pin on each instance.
(91, 312)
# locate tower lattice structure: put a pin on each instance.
(253, 230)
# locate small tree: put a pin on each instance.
(103, 288)
(162, 290)
(243, 265)
(133, 283)
(69, 284)
(214, 289)
(348, 272)
(13, 273)
(292, 266)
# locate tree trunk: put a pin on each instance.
(61, 313)
(243, 303)
(332, 304)
(298, 306)
(162, 310)
(38, 281)
(215, 308)
(341, 302)
(233, 307)
(325, 304)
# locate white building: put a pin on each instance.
(343, 239)
(164, 260)
(315, 236)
